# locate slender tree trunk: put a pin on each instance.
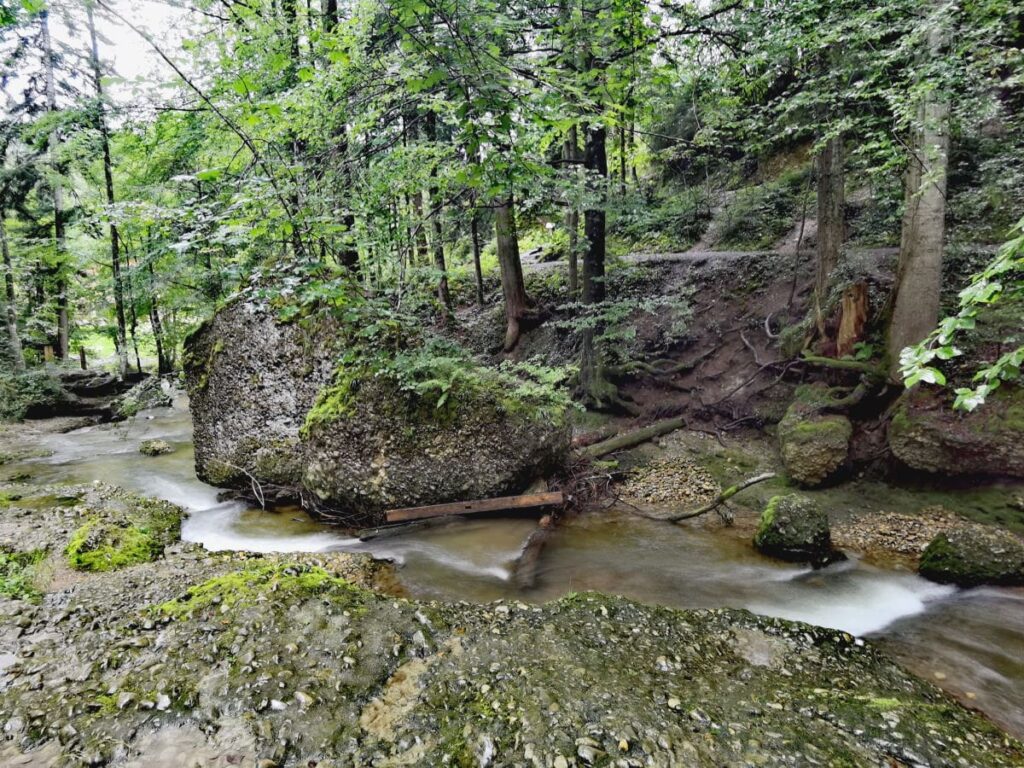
(512, 286)
(422, 256)
(443, 294)
(595, 160)
(474, 226)
(919, 281)
(622, 159)
(58, 191)
(571, 154)
(597, 391)
(10, 307)
(330, 15)
(108, 178)
(831, 223)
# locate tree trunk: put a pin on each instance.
(474, 226)
(831, 223)
(595, 160)
(512, 286)
(597, 390)
(330, 14)
(919, 281)
(443, 295)
(420, 229)
(108, 178)
(58, 191)
(571, 153)
(11, 311)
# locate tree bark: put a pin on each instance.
(831, 223)
(443, 294)
(474, 226)
(10, 307)
(58, 190)
(512, 286)
(595, 160)
(597, 390)
(919, 280)
(571, 153)
(108, 179)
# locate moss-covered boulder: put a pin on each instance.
(120, 535)
(155, 447)
(927, 434)
(794, 528)
(972, 555)
(813, 444)
(272, 404)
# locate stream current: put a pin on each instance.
(969, 642)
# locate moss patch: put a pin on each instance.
(117, 540)
(256, 581)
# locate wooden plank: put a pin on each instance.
(472, 507)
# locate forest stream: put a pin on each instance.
(967, 642)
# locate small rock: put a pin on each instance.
(155, 447)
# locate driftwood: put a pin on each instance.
(524, 570)
(718, 501)
(629, 439)
(525, 501)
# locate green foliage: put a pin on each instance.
(21, 391)
(18, 573)
(672, 222)
(757, 217)
(1002, 281)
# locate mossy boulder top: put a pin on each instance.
(794, 528)
(271, 406)
(927, 434)
(813, 444)
(972, 555)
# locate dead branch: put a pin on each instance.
(723, 497)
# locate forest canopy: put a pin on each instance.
(390, 160)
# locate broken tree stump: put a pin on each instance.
(525, 501)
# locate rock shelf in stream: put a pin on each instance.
(295, 660)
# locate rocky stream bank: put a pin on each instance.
(173, 656)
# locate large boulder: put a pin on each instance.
(813, 444)
(927, 434)
(794, 528)
(272, 405)
(971, 555)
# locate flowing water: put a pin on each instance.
(970, 642)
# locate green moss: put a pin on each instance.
(135, 536)
(256, 580)
(100, 546)
(28, 501)
(18, 572)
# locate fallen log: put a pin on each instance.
(629, 439)
(525, 501)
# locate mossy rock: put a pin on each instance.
(794, 528)
(813, 445)
(927, 434)
(118, 539)
(972, 555)
(155, 447)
